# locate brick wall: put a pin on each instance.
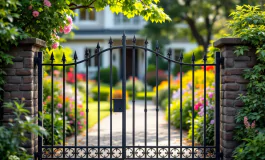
(232, 84)
(21, 82)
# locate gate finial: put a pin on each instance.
(87, 53)
(157, 46)
(75, 56)
(63, 58)
(169, 52)
(110, 42)
(193, 57)
(146, 42)
(205, 57)
(52, 57)
(98, 47)
(134, 39)
(180, 57)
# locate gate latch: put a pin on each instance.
(118, 105)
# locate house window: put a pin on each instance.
(93, 62)
(86, 15)
(120, 19)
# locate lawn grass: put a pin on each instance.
(93, 112)
(141, 95)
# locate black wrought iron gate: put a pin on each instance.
(124, 151)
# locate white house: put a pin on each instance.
(97, 27)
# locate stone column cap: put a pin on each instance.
(33, 41)
(228, 41)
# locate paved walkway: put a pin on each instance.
(139, 129)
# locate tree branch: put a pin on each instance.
(82, 6)
(194, 31)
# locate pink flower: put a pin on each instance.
(80, 127)
(55, 45)
(82, 113)
(30, 7)
(57, 37)
(35, 13)
(210, 94)
(70, 20)
(67, 29)
(247, 125)
(60, 105)
(71, 122)
(78, 122)
(47, 3)
(253, 124)
(196, 107)
(61, 30)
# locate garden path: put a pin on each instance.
(139, 129)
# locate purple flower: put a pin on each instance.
(175, 94)
(212, 121)
(210, 94)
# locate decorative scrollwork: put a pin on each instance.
(105, 152)
(139, 152)
(69, 153)
(129, 152)
(163, 152)
(81, 152)
(92, 152)
(175, 153)
(199, 152)
(117, 153)
(210, 153)
(46, 153)
(58, 153)
(187, 152)
(151, 152)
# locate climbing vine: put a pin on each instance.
(248, 23)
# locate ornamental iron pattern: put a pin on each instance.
(124, 151)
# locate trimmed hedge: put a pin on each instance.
(105, 75)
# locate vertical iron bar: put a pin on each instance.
(40, 98)
(75, 58)
(111, 83)
(63, 105)
(98, 99)
(193, 59)
(124, 96)
(180, 70)
(217, 105)
(204, 106)
(169, 75)
(133, 101)
(87, 54)
(145, 104)
(157, 50)
(52, 102)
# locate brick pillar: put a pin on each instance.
(21, 82)
(232, 84)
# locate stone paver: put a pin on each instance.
(139, 129)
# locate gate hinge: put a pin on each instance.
(222, 62)
(36, 60)
(36, 155)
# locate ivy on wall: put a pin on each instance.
(248, 23)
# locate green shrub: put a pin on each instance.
(252, 148)
(139, 86)
(104, 93)
(175, 114)
(13, 135)
(151, 68)
(105, 75)
(141, 95)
